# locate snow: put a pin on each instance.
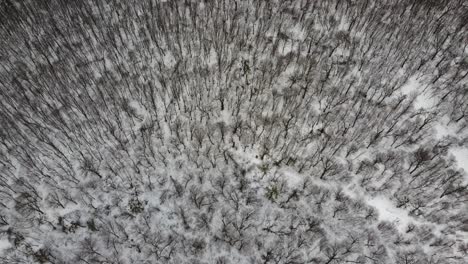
(4, 244)
(202, 188)
(410, 87)
(225, 117)
(425, 101)
(344, 24)
(388, 212)
(292, 178)
(297, 33)
(169, 60)
(141, 112)
(443, 130)
(461, 155)
(414, 87)
(213, 58)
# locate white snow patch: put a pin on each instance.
(297, 33)
(425, 101)
(247, 157)
(287, 48)
(169, 60)
(443, 130)
(291, 177)
(212, 59)
(415, 88)
(411, 86)
(388, 212)
(224, 117)
(461, 155)
(4, 244)
(344, 25)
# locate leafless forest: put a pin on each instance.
(234, 131)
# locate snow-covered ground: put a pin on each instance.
(4, 244)
(461, 155)
(442, 128)
(414, 87)
(389, 212)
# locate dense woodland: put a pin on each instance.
(233, 131)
